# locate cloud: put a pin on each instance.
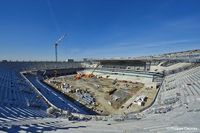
(137, 48)
(131, 45)
(186, 23)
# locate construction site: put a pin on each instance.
(106, 94)
(136, 95)
(99, 66)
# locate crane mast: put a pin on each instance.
(56, 46)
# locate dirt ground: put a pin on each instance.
(110, 95)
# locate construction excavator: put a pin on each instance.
(80, 75)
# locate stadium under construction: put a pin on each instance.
(145, 94)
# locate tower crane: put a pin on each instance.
(56, 46)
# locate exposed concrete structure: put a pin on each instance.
(176, 107)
